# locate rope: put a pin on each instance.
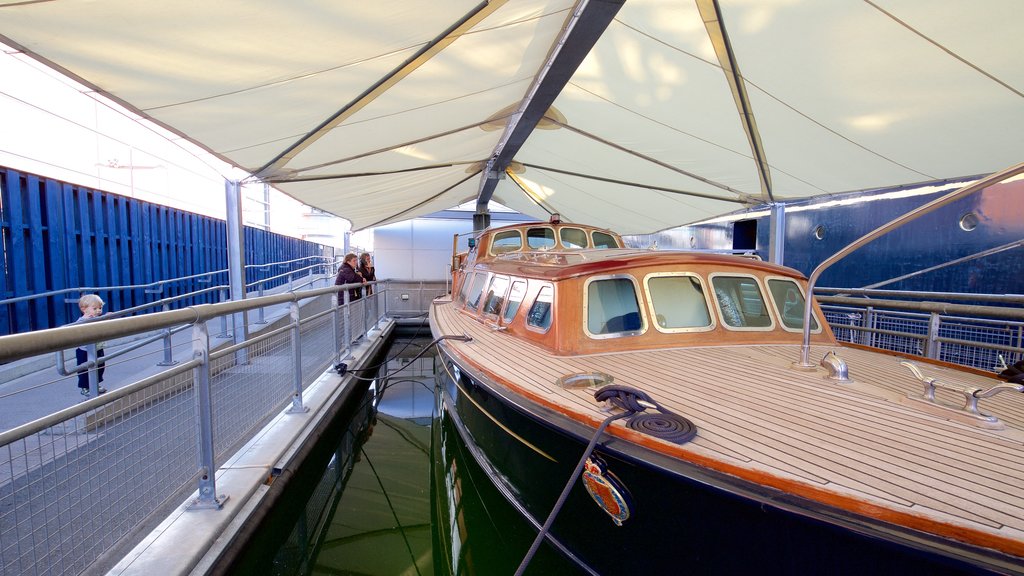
(565, 492)
(624, 397)
(633, 402)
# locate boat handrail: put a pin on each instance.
(995, 178)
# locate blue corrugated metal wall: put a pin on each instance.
(58, 235)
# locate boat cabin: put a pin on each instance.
(533, 237)
(614, 299)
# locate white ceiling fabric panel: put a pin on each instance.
(386, 102)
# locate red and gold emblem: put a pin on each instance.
(606, 489)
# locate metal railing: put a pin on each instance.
(75, 482)
(321, 269)
(983, 337)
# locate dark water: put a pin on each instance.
(396, 493)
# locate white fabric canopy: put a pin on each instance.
(382, 111)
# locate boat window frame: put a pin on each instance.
(503, 317)
(488, 291)
(484, 275)
(763, 291)
(583, 231)
(593, 243)
(551, 311)
(653, 312)
(778, 313)
(494, 237)
(586, 307)
(467, 278)
(526, 239)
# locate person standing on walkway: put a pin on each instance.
(367, 271)
(349, 274)
(91, 306)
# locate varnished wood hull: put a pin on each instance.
(684, 518)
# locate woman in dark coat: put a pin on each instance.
(348, 274)
(367, 271)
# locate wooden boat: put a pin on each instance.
(742, 459)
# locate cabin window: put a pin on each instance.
(612, 307)
(604, 240)
(466, 281)
(473, 297)
(540, 238)
(740, 302)
(507, 241)
(540, 312)
(515, 298)
(495, 295)
(573, 238)
(789, 304)
(678, 302)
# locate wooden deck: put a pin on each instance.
(856, 446)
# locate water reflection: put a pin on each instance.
(401, 495)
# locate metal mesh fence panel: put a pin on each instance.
(979, 343)
(244, 396)
(317, 338)
(1001, 335)
(70, 491)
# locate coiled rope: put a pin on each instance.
(633, 402)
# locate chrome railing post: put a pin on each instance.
(366, 313)
(224, 317)
(168, 347)
(932, 345)
(208, 497)
(261, 320)
(868, 336)
(347, 314)
(336, 315)
(297, 407)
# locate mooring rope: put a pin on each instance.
(631, 401)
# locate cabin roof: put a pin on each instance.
(545, 224)
(558, 264)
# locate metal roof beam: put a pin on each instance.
(589, 20)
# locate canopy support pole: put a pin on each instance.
(589, 20)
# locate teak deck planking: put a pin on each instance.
(754, 412)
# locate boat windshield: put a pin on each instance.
(612, 306)
(679, 302)
(789, 303)
(540, 238)
(740, 302)
(507, 241)
(573, 238)
(603, 240)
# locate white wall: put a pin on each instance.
(418, 249)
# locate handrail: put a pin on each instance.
(17, 346)
(141, 286)
(805, 347)
(931, 307)
(1005, 298)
